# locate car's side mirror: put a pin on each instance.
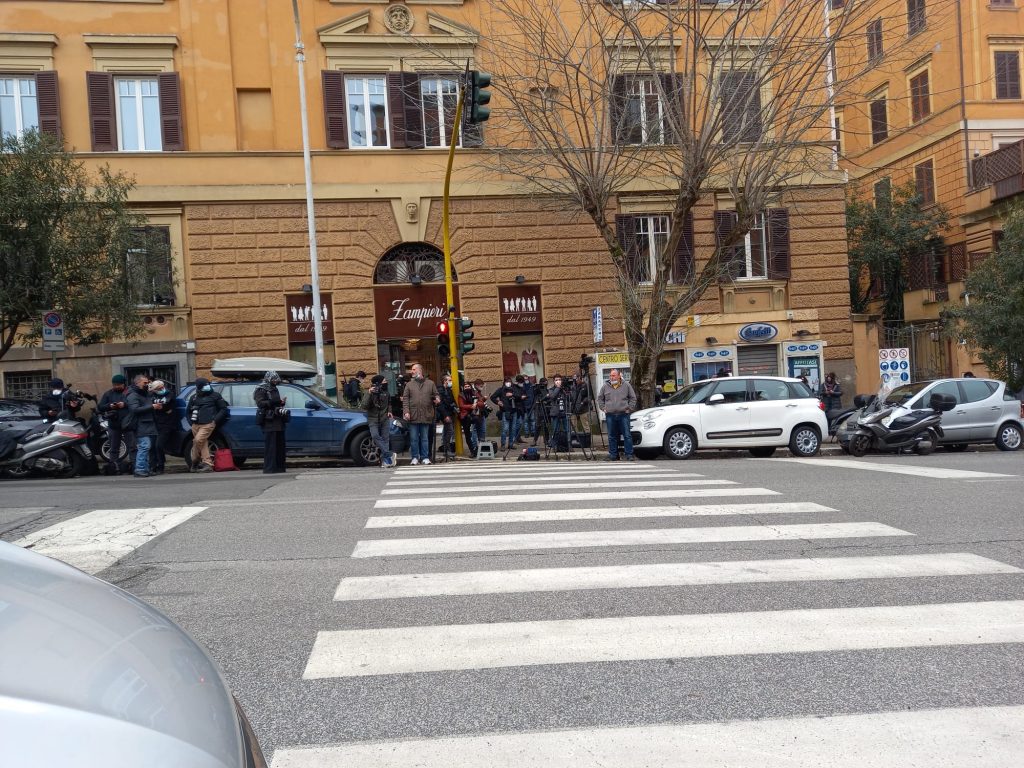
(716, 399)
(312, 405)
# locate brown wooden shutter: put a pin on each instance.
(1007, 74)
(879, 121)
(334, 109)
(396, 109)
(740, 94)
(684, 252)
(412, 107)
(778, 243)
(99, 88)
(48, 103)
(725, 222)
(957, 262)
(172, 134)
(674, 88)
(617, 108)
(625, 229)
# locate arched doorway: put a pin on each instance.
(409, 300)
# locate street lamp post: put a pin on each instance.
(314, 267)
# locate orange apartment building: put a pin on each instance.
(199, 102)
(945, 112)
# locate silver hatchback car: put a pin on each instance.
(93, 677)
(984, 412)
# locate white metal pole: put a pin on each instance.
(314, 267)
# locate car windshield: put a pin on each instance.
(903, 395)
(691, 393)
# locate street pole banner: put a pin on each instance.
(894, 367)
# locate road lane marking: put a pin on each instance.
(966, 737)
(667, 575)
(405, 481)
(523, 498)
(405, 650)
(936, 473)
(525, 468)
(546, 485)
(646, 537)
(595, 513)
(98, 539)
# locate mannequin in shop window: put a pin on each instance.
(529, 363)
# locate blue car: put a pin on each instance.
(318, 427)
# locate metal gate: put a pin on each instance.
(758, 360)
(929, 352)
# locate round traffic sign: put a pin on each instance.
(52, 319)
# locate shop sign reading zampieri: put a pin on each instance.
(410, 311)
(520, 310)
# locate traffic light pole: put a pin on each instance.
(453, 344)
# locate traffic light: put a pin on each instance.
(443, 345)
(478, 82)
(464, 336)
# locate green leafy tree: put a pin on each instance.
(68, 241)
(992, 319)
(884, 236)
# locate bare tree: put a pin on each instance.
(595, 100)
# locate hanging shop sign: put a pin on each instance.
(520, 309)
(758, 332)
(410, 311)
(301, 316)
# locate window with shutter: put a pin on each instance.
(916, 17)
(19, 104)
(879, 120)
(924, 181)
(334, 109)
(138, 114)
(740, 97)
(102, 121)
(684, 263)
(883, 192)
(625, 229)
(920, 97)
(874, 34)
(172, 134)
(778, 244)
(439, 96)
(48, 103)
(1007, 71)
(732, 258)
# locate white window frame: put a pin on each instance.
(643, 88)
(139, 113)
(650, 227)
(758, 231)
(438, 98)
(17, 96)
(365, 93)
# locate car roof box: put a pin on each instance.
(255, 367)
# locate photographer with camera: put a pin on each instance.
(447, 415)
(524, 408)
(539, 416)
(271, 416)
(482, 411)
(506, 397)
(469, 404)
(377, 403)
(61, 402)
(559, 406)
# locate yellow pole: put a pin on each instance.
(448, 288)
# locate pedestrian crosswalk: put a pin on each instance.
(588, 511)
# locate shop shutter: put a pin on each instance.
(758, 360)
(725, 222)
(172, 133)
(334, 109)
(99, 88)
(625, 230)
(684, 252)
(778, 243)
(48, 103)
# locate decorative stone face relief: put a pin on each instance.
(398, 19)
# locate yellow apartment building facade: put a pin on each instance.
(199, 102)
(941, 109)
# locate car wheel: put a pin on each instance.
(680, 443)
(364, 451)
(1008, 438)
(805, 441)
(859, 445)
(762, 452)
(955, 447)
(925, 445)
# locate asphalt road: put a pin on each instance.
(563, 659)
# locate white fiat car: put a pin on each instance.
(759, 413)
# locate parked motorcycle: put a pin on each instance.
(892, 428)
(837, 417)
(59, 449)
(99, 440)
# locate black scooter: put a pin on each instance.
(893, 428)
(59, 449)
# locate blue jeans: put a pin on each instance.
(530, 423)
(142, 455)
(618, 424)
(480, 425)
(510, 423)
(418, 445)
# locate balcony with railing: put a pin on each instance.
(1001, 171)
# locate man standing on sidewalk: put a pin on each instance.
(377, 404)
(206, 411)
(142, 408)
(113, 406)
(418, 403)
(617, 399)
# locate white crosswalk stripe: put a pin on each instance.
(587, 495)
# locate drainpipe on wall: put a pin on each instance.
(963, 100)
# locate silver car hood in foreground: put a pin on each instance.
(92, 676)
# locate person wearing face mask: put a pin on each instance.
(506, 397)
(272, 418)
(59, 403)
(142, 409)
(448, 415)
(166, 427)
(418, 403)
(469, 404)
(559, 405)
(206, 411)
(113, 407)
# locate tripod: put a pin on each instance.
(592, 413)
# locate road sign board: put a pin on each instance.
(597, 321)
(53, 331)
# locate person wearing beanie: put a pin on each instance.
(113, 407)
(376, 401)
(206, 411)
(59, 402)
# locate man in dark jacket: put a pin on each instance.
(206, 411)
(506, 397)
(59, 402)
(448, 415)
(377, 404)
(166, 425)
(113, 407)
(141, 409)
(272, 418)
